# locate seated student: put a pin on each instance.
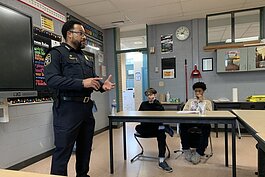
(155, 129)
(196, 104)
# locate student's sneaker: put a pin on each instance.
(165, 167)
(188, 154)
(196, 158)
(169, 130)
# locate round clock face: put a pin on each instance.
(182, 33)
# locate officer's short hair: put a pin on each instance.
(68, 26)
(150, 91)
(201, 85)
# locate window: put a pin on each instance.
(234, 27)
(219, 28)
(247, 26)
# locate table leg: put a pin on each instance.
(124, 141)
(234, 149)
(261, 162)
(226, 146)
(216, 130)
(111, 146)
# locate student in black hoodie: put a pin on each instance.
(155, 129)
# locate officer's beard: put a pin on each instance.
(79, 45)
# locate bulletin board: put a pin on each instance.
(43, 40)
(168, 68)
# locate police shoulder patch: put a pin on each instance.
(48, 59)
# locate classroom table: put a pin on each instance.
(211, 117)
(260, 137)
(254, 122)
(14, 173)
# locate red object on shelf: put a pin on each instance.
(195, 73)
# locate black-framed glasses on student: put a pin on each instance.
(80, 33)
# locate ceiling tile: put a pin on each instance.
(96, 8)
(103, 12)
(71, 3)
(213, 6)
(106, 19)
(140, 4)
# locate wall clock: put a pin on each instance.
(182, 33)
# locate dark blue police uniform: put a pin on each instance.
(73, 120)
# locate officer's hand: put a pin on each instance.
(92, 83)
(108, 85)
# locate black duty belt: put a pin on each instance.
(80, 99)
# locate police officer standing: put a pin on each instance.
(71, 74)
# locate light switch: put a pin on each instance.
(152, 50)
(156, 69)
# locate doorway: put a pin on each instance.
(133, 79)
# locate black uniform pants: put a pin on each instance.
(194, 140)
(73, 122)
(151, 130)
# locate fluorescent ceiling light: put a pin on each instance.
(93, 47)
(138, 42)
(245, 39)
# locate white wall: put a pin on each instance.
(27, 134)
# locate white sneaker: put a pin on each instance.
(196, 158)
(187, 154)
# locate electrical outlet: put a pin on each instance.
(161, 84)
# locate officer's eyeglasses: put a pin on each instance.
(81, 33)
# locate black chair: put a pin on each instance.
(141, 154)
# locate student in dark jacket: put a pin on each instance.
(155, 129)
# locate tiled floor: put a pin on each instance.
(214, 167)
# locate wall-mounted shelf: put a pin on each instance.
(234, 45)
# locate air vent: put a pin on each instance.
(120, 22)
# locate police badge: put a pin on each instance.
(48, 60)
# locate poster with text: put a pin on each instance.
(166, 43)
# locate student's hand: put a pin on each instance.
(199, 97)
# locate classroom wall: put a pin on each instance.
(218, 84)
(35, 14)
(29, 132)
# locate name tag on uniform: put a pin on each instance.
(71, 57)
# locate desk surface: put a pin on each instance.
(13, 173)
(261, 135)
(254, 118)
(174, 114)
(261, 138)
(171, 103)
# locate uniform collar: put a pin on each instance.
(69, 48)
